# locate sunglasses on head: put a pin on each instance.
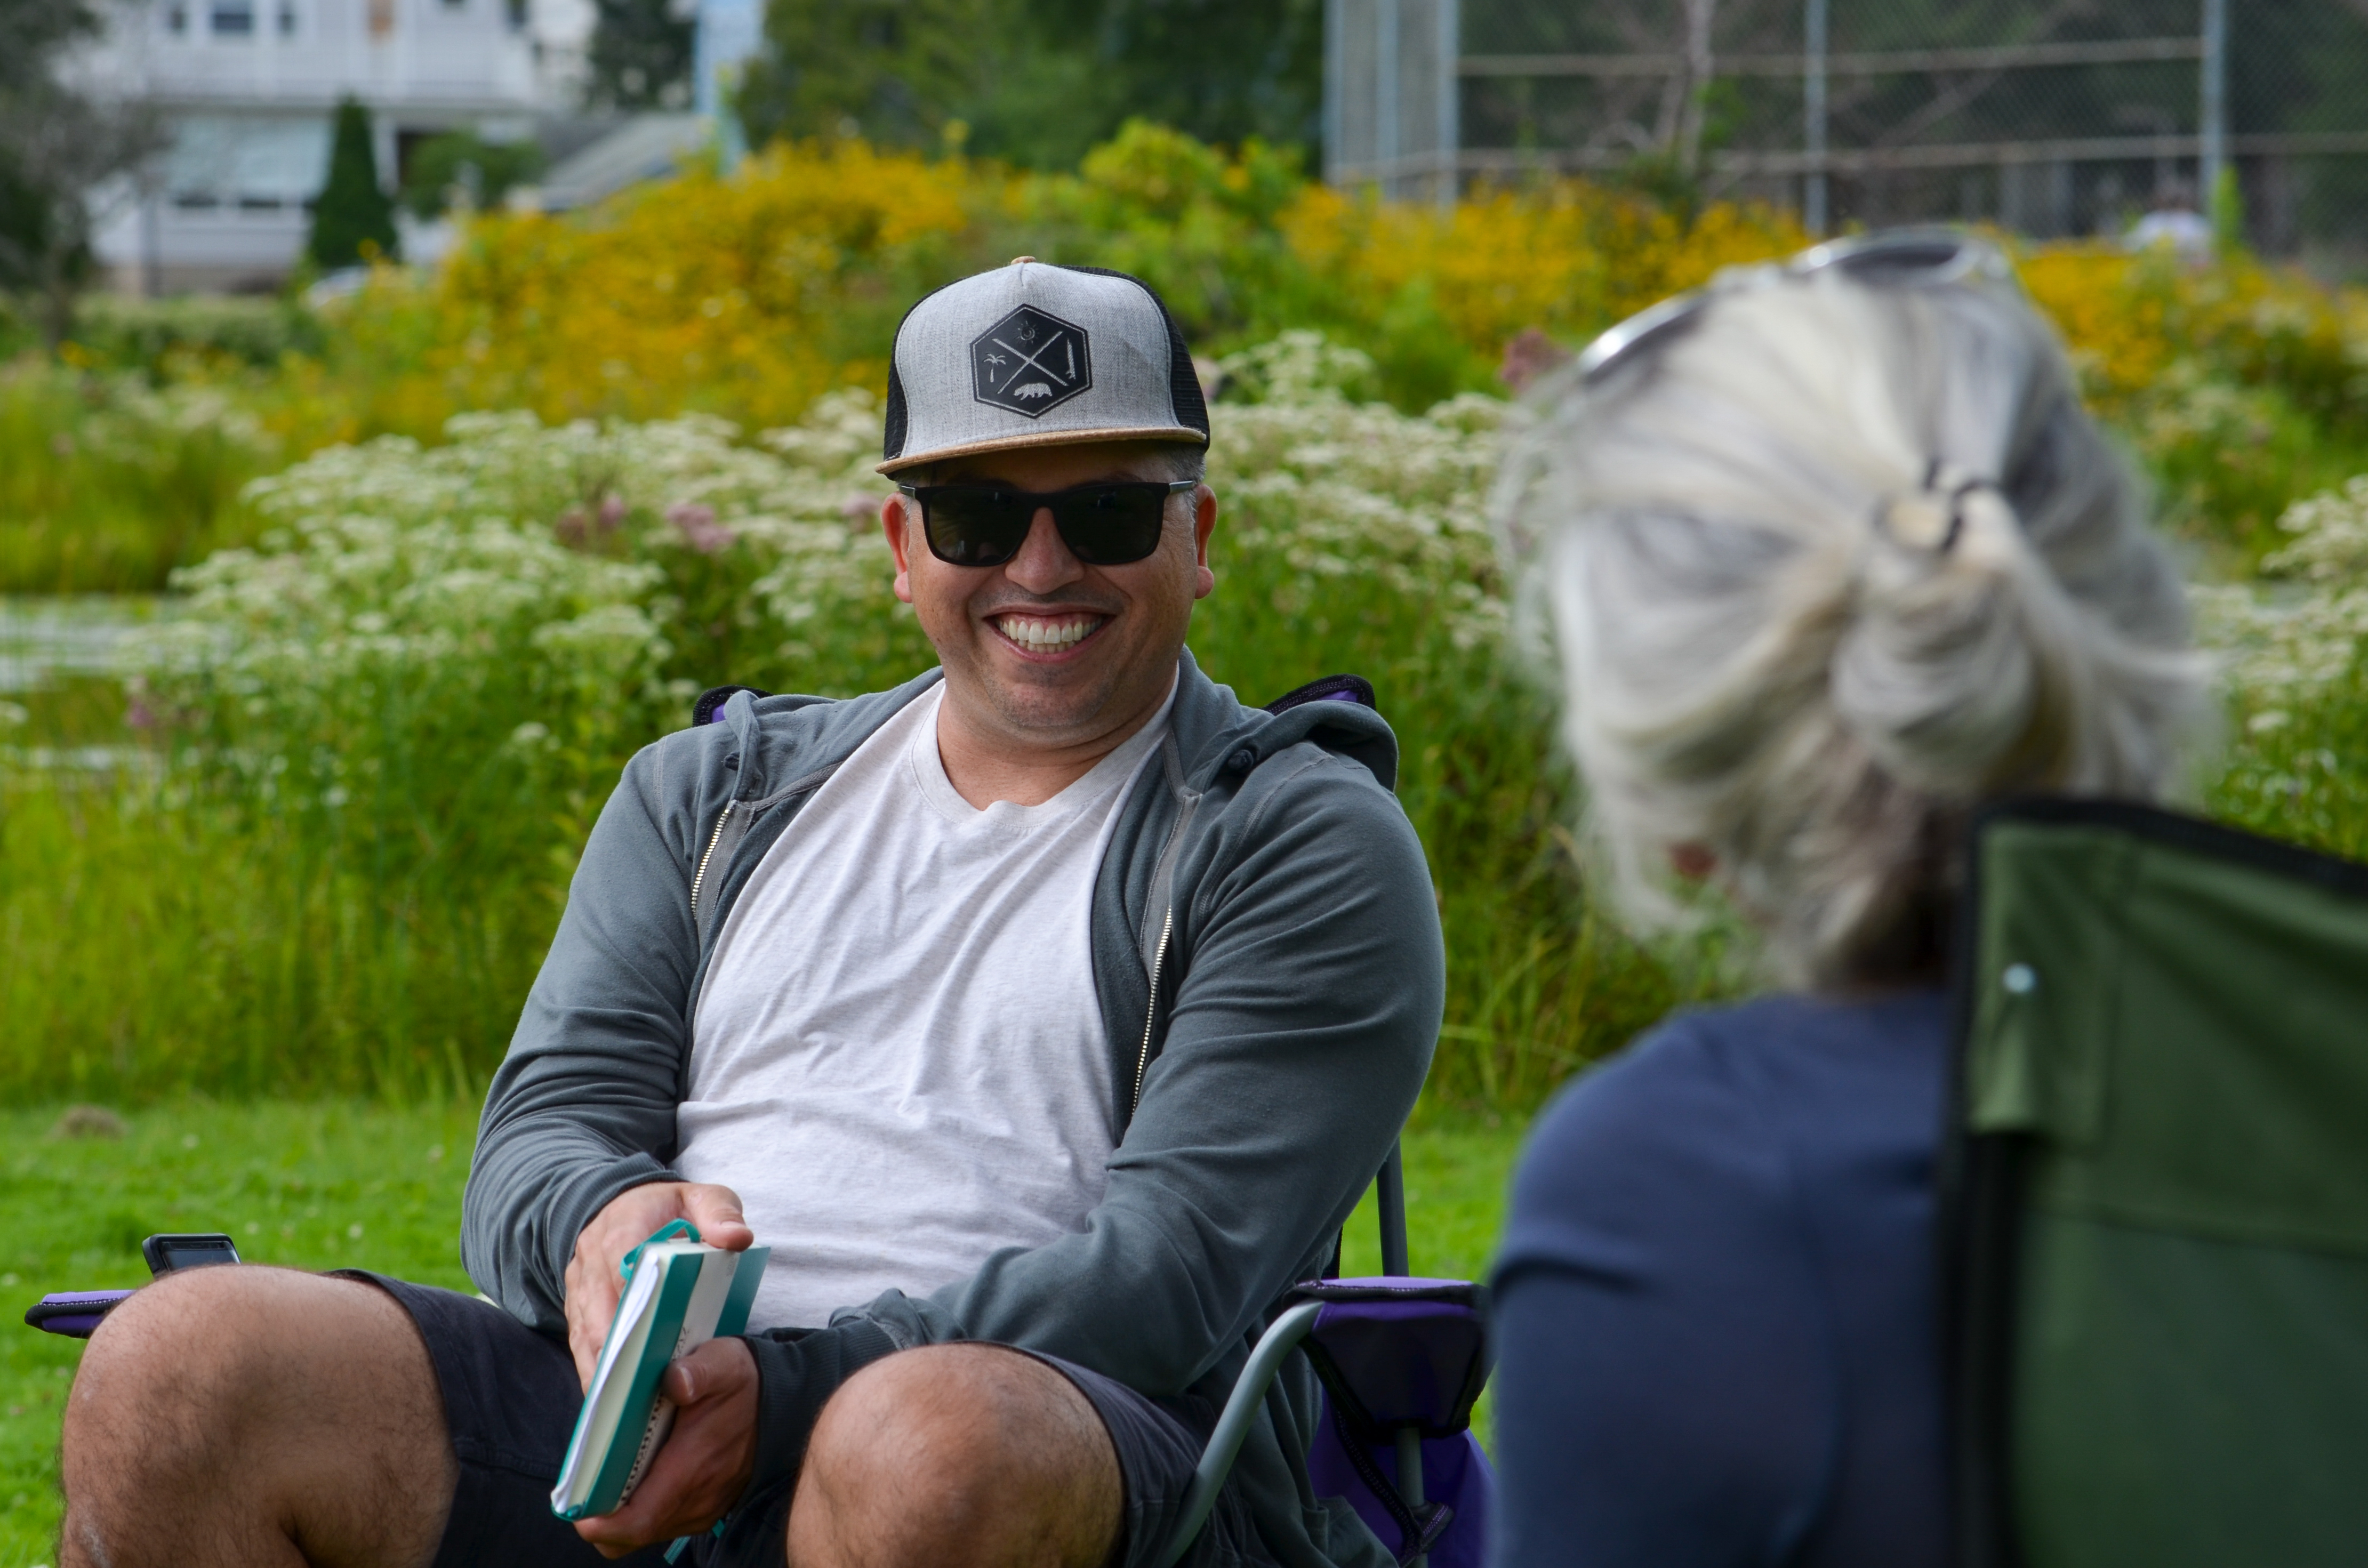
(1913, 258)
(1103, 525)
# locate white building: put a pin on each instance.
(249, 88)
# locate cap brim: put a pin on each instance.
(1180, 434)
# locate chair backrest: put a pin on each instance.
(2157, 1195)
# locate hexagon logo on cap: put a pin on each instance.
(1030, 362)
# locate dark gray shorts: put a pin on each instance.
(510, 1400)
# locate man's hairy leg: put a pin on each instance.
(249, 1415)
(957, 1456)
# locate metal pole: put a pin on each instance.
(2215, 105)
(1386, 88)
(1813, 115)
(1389, 1196)
(1448, 15)
(1450, 128)
(1336, 48)
(1410, 1482)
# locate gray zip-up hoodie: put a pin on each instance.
(1266, 952)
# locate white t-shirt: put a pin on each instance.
(898, 1061)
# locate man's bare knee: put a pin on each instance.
(960, 1455)
(256, 1405)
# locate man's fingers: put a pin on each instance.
(706, 1459)
(710, 1370)
(716, 1212)
(595, 1275)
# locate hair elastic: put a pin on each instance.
(1937, 481)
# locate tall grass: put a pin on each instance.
(374, 743)
(105, 485)
(368, 749)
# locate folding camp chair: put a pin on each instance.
(1402, 1360)
(2155, 1190)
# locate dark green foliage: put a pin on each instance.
(58, 150)
(355, 219)
(892, 72)
(31, 30)
(462, 161)
(641, 56)
(1036, 81)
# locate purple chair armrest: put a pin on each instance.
(74, 1313)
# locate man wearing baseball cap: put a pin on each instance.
(1045, 1016)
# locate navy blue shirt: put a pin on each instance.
(1717, 1299)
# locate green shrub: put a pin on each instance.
(166, 338)
(107, 485)
(463, 161)
(354, 220)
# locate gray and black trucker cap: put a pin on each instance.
(1033, 355)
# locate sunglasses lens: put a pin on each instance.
(1104, 525)
(976, 526)
(1111, 525)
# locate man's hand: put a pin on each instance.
(707, 1459)
(594, 1283)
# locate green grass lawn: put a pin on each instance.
(332, 1185)
(343, 1186)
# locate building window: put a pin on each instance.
(177, 19)
(233, 19)
(287, 19)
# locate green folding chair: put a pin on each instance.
(2156, 1197)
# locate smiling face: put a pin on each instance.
(1044, 655)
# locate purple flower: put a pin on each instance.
(700, 529)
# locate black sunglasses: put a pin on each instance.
(1913, 257)
(1103, 525)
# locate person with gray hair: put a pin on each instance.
(1829, 555)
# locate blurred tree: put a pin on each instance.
(64, 160)
(894, 71)
(1220, 70)
(640, 54)
(354, 221)
(463, 162)
(1037, 82)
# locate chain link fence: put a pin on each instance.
(2054, 117)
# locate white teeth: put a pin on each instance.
(1040, 635)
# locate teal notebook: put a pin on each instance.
(679, 1294)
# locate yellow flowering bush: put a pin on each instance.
(2129, 318)
(751, 295)
(1566, 256)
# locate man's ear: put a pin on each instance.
(893, 517)
(1204, 523)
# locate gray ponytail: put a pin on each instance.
(1825, 573)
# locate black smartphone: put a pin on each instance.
(166, 1253)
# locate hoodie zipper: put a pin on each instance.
(1159, 961)
(712, 840)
